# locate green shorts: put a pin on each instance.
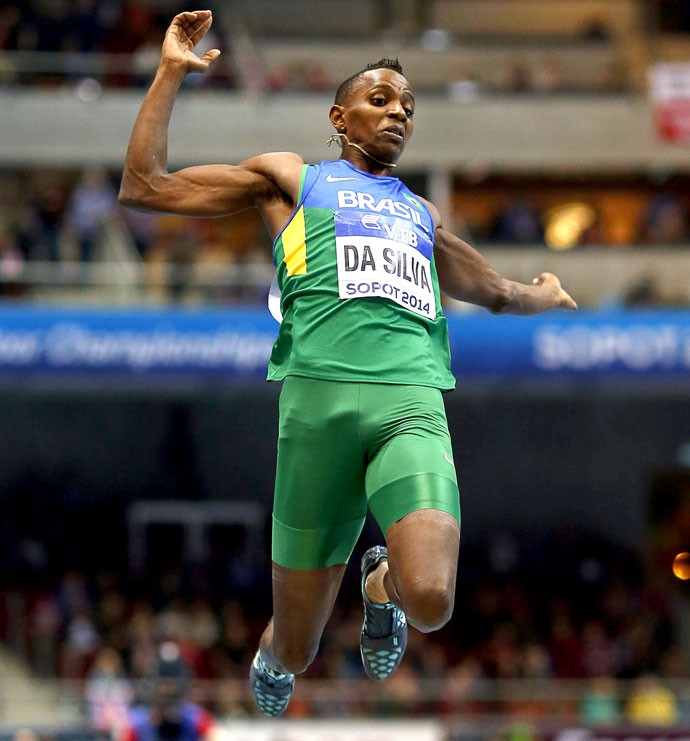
(343, 446)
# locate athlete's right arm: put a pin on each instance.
(205, 190)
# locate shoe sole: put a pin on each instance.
(270, 700)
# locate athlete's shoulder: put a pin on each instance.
(323, 179)
(330, 169)
(433, 211)
(269, 164)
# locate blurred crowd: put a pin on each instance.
(116, 43)
(72, 217)
(567, 606)
(67, 217)
(130, 32)
(662, 219)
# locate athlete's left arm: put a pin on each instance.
(465, 275)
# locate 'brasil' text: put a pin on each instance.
(367, 202)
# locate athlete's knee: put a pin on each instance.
(429, 606)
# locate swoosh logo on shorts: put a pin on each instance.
(447, 459)
(333, 179)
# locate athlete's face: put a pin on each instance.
(378, 114)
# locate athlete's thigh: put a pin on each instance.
(411, 466)
(320, 503)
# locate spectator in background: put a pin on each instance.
(463, 86)
(50, 24)
(517, 78)
(126, 35)
(166, 714)
(80, 645)
(143, 228)
(643, 292)
(45, 626)
(11, 263)
(651, 703)
(315, 78)
(145, 57)
(600, 705)
(519, 222)
(172, 255)
(547, 77)
(307, 76)
(665, 221)
(600, 656)
(85, 24)
(234, 642)
(10, 24)
(611, 78)
(108, 692)
(596, 28)
(92, 206)
(280, 78)
(47, 207)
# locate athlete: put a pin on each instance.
(362, 352)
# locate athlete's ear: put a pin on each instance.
(336, 115)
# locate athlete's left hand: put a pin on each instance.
(561, 298)
(184, 33)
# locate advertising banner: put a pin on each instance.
(336, 730)
(234, 344)
(591, 346)
(231, 344)
(634, 733)
(670, 98)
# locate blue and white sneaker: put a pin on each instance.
(383, 640)
(272, 691)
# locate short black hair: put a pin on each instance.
(346, 87)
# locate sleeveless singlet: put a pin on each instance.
(359, 293)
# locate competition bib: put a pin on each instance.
(386, 257)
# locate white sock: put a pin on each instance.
(374, 584)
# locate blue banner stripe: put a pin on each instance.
(235, 343)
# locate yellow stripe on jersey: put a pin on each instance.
(294, 239)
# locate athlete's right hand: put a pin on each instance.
(184, 33)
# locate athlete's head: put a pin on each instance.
(347, 86)
(373, 110)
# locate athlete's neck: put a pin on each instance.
(358, 156)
